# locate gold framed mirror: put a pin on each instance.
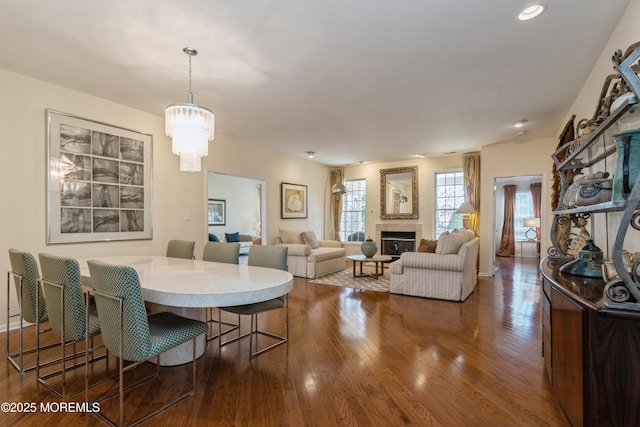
(399, 193)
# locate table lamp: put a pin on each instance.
(533, 224)
(466, 209)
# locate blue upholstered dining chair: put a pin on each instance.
(68, 318)
(180, 249)
(130, 333)
(269, 257)
(228, 253)
(31, 303)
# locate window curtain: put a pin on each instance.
(471, 172)
(507, 242)
(536, 196)
(335, 206)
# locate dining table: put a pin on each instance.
(187, 286)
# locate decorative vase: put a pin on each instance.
(369, 248)
(589, 262)
(627, 165)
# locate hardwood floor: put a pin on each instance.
(360, 358)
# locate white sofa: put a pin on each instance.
(305, 261)
(450, 276)
(245, 241)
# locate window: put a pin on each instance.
(523, 209)
(449, 197)
(354, 211)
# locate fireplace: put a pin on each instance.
(394, 243)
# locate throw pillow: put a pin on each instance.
(246, 238)
(213, 238)
(232, 237)
(309, 238)
(427, 246)
(290, 236)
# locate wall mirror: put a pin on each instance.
(399, 193)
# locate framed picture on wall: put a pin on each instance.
(217, 212)
(98, 181)
(293, 200)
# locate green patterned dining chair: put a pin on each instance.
(228, 253)
(180, 249)
(132, 334)
(31, 304)
(68, 318)
(269, 257)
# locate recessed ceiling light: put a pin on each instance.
(419, 156)
(522, 133)
(310, 154)
(531, 12)
(519, 123)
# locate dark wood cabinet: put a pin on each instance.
(594, 359)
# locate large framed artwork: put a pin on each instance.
(217, 212)
(98, 181)
(293, 200)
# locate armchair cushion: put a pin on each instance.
(450, 242)
(329, 244)
(290, 236)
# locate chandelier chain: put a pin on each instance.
(189, 74)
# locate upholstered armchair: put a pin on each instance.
(449, 276)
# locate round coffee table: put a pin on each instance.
(377, 259)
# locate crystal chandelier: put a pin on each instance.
(191, 127)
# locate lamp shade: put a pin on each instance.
(466, 208)
(531, 222)
(338, 189)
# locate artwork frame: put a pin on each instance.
(217, 212)
(293, 200)
(99, 181)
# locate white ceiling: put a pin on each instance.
(352, 80)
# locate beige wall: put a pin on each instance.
(626, 33)
(506, 160)
(22, 169)
(23, 181)
(426, 175)
(497, 161)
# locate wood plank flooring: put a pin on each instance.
(358, 358)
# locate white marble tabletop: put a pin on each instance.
(193, 283)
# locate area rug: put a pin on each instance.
(345, 279)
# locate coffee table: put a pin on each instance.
(377, 259)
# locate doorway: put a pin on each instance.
(527, 243)
(243, 200)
